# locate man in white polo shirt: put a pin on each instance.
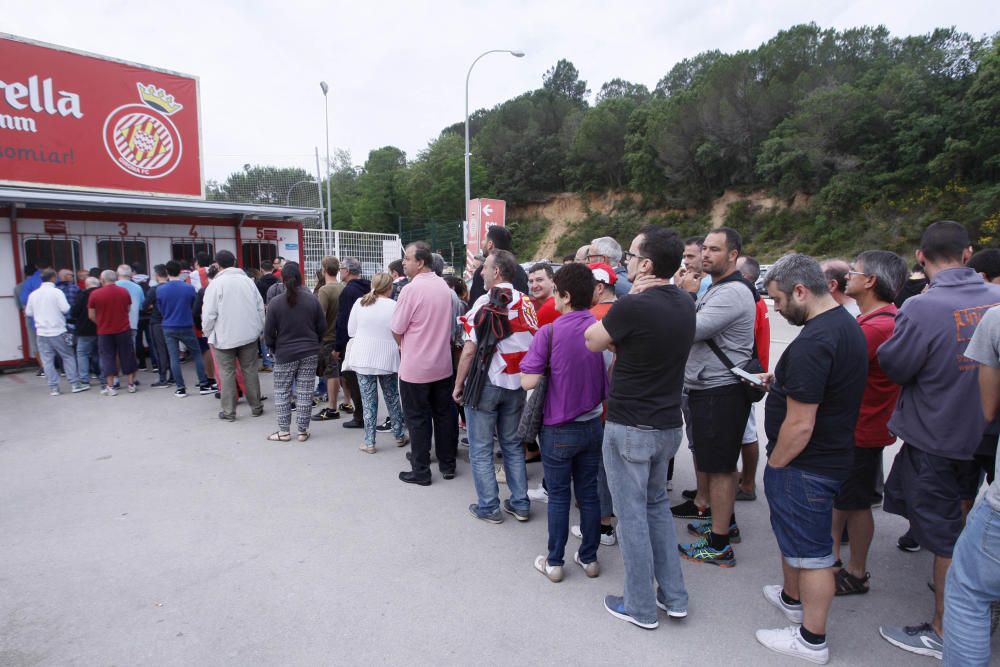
(48, 306)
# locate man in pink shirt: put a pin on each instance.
(423, 325)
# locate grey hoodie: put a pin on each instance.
(938, 408)
(726, 312)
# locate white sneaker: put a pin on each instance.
(539, 494)
(789, 641)
(592, 569)
(54, 391)
(792, 612)
(672, 613)
(608, 540)
(109, 391)
(553, 572)
(502, 475)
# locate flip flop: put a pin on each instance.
(279, 436)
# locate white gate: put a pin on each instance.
(375, 251)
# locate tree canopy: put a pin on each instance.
(874, 130)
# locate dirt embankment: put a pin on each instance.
(567, 209)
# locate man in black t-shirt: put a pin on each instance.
(815, 395)
(651, 332)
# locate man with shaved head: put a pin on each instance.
(835, 271)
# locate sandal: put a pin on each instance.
(848, 584)
(403, 441)
(367, 449)
(280, 436)
(303, 436)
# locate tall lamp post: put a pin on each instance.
(516, 54)
(329, 202)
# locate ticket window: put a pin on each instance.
(187, 250)
(58, 253)
(116, 251)
(255, 252)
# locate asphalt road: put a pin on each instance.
(142, 530)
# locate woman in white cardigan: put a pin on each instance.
(374, 356)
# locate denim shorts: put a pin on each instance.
(801, 506)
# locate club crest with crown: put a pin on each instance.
(140, 138)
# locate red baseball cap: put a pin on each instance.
(603, 273)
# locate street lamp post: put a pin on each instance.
(329, 202)
(516, 54)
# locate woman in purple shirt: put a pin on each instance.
(571, 424)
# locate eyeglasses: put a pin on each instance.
(852, 272)
(590, 257)
(627, 256)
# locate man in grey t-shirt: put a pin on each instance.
(718, 404)
(974, 576)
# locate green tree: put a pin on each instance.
(258, 184)
(381, 191)
(564, 79)
(598, 154)
(617, 88)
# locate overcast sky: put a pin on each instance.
(397, 69)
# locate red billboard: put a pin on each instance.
(76, 120)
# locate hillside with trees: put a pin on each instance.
(872, 134)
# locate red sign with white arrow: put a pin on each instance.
(482, 214)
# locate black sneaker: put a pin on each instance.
(689, 494)
(160, 385)
(326, 414)
(206, 388)
(181, 393)
(228, 418)
(346, 407)
(907, 543)
(689, 510)
(385, 426)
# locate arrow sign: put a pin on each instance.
(487, 210)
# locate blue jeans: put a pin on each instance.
(86, 356)
(266, 360)
(635, 460)
(61, 345)
(801, 505)
(186, 336)
(390, 390)
(973, 583)
(572, 451)
(499, 412)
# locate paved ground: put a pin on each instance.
(141, 530)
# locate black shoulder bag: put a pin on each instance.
(752, 366)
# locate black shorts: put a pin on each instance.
(329, 367)
(858, 490)
(718, 419)
(928, 490)
(986, 458)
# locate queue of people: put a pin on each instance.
(627, 351)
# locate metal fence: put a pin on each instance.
(444, 238)
(375, 251)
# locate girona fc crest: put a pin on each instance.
(141, 139)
